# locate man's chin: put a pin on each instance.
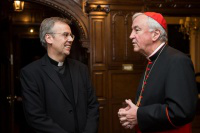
(67, 53)
(135, 49)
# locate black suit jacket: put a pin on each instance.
(47, 106)
(170, 94)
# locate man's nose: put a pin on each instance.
(131, 35)
(70, 39)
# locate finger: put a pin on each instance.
(122, 119)
(121, 109)
(128, 116)
(131, 126)
(127, 127)
(130, 103)
(125, 124)
(121, 114)
(130, 120)
(127, 108)
(122, 122)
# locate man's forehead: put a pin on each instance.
(139, 20)
(61, 25)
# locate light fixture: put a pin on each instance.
(18, 5)
(187, 25)
(31, 30)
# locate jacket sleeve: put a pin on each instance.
(180, 99)
(34, 108)
(93, 107)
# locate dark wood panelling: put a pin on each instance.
(98, 41)
(121, 49)
(123, 84)
(103, 126)
(98, 47)
(98, 36)
(99, 82)
(118, 38)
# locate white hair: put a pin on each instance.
(153, 25)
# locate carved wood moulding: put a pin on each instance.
(125, 16)
(79, 2)
(96, 8)
(183, 5)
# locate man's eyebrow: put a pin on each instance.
(136, 27)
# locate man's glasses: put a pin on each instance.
(65, 34)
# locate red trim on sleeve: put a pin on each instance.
(169, 118)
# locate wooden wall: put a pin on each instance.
(110, 49)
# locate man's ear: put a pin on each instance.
(155, 35)
(48, 38)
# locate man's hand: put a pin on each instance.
(128, 115)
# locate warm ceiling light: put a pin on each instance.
(189, 25)
(31, 30)
(18, 5)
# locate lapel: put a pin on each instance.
(74, 75)
(46, 65)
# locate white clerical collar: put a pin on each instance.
(55, 62)
(60, 63)
(162, 44)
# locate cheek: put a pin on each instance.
(60, 43)
(142, 40)
(139, 39)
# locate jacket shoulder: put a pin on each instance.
(176, 54)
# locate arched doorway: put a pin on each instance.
(20, 47)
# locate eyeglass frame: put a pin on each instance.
(65, 34)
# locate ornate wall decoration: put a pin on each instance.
(96, 8)
(173, 7)
(79, 2)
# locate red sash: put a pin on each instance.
(184, 129)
